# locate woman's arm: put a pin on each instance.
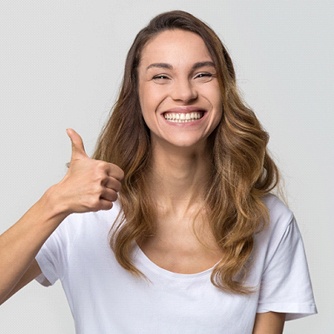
(269, 323)
(89, 185)
(32, 272)
(20, 244)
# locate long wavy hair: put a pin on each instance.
(242, 170)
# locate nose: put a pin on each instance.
(184, 91)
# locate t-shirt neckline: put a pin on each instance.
(147, 263)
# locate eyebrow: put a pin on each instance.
(170, 67)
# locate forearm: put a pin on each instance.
(20, 244)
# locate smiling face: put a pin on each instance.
(179, 92)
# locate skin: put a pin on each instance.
(176, 76)
(172, 80)
(270, 323)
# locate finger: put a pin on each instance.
(115, 172)
(78, 149)
(113, 183)
(109, 195)
(105, 205)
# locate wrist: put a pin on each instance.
(52, 203)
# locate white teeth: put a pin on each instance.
(183, 117)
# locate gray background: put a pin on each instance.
(61, 64)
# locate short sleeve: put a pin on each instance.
(52, 257)
(286, 285)
(55, 258)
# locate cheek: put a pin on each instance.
(146, 96)
(146, 109)
(143, 102)
(217, 102)
(146, 106)
(150, 99)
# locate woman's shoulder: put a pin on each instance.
(277, 208)
(280, 231)
(280, 216)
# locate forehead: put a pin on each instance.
(175, 46)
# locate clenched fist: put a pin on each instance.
(89, 185)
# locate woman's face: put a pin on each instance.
(178, 89)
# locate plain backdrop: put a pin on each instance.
(61, 65)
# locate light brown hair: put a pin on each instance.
(242, 170)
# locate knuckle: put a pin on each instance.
(93, 203)
(101, 165)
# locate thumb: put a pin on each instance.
(78, 149)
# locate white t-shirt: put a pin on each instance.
(105, 298)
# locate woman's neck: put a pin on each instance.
(179, 177)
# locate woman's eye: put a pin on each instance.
(160, 77)
(204, 76)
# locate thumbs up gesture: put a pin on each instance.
(89, 185)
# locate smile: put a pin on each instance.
(183, 117)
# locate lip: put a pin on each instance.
(184, 109)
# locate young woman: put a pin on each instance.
(171, 227)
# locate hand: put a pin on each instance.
(89, 185)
